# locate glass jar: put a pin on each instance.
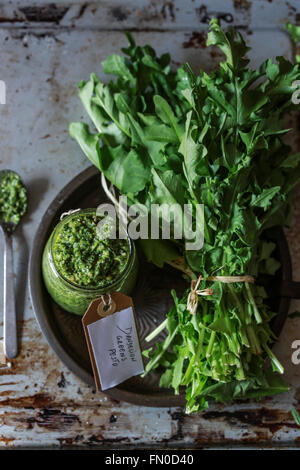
(74, 298)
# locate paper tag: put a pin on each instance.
(113, 340)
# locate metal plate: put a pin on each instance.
(151, 297)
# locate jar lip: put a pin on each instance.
(88, 288)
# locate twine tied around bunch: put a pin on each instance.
(192, 300)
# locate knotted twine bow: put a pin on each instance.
(192, 300)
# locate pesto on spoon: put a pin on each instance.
(13, 197)
(13, 205)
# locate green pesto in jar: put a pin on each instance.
(13, 197)
(83, 258)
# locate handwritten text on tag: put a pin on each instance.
(116, 348)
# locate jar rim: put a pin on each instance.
(123, 273)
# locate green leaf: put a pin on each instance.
(245, 225)
(136, 131)
(151, 62)
(229, 153)
(117, 65)
(109, 131)
(123, 103)
(271, 266)
(167, 188)
(166, 379)
(159, 252)
(296, 416)
(294, 31)
(188, 94)
(155, 153)
(264, 199)
(88, 142)
(292, 161)
(161, 133)
(86, 92)
(232, 45)
(164, 111)
(281, 79)
(256, 387)
(221, 325)
(194, 155)
(266, 250)
(128, 173)
(177, 374)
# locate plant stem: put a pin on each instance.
(194, 359)
(166, 344)
(255, 346)
(251, 298)
(237, 301)
(157, 330)
(274, 359)
(211, 343)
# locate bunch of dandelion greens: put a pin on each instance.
(214, 139)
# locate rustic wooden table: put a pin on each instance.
(46, 49)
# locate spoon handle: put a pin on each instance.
(9, 310)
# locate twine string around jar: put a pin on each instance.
(106, 308)
(192, 300)
(71, 211)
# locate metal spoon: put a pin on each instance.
(9, 308)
